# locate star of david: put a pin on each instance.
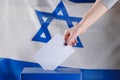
(50, 17)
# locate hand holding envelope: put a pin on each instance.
(53, 53)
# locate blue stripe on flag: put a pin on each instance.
(11, 69)
(100, 74)
(83, 1)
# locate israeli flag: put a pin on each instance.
(25, 25)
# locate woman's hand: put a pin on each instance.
(71, 35)
(95, 12)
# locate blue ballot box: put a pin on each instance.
(58, 74)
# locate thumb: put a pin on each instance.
(66, 35)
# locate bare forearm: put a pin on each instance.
(97, 10)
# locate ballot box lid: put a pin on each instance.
(58, 71)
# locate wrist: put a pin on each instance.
(81, 28)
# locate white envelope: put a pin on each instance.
(53, 53)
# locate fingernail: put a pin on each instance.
(65, 44)
(74, 44)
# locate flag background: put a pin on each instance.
(98, 59)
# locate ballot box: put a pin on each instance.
(58, 74)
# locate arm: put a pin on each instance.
(109, 3)
(98, 9)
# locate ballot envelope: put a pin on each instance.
(53, 53)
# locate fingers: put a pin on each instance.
(70, 35)
(72, 41)
(66, 36)
(69, 39)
